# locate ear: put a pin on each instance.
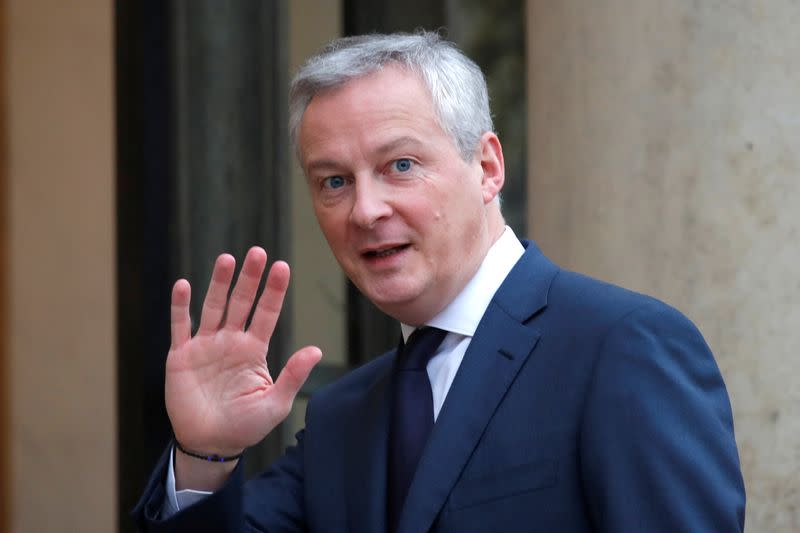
(490, 154)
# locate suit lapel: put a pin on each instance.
(366, 459)
(500, 347)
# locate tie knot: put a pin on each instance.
(419, 349)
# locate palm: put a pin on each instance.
(219, 393)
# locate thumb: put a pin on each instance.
(295, 373)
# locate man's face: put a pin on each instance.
(405, 216)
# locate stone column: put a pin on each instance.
(664, 149)
(318, 292)
(59, 294)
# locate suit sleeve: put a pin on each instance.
(657, 444)
(273, 502)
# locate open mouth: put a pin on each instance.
(386, 252)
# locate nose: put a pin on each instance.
(371, 202)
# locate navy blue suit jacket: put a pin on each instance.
(578, 407)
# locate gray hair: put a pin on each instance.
(456, 83)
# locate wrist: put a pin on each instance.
(208, 456)
(200, 474)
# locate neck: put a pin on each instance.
(418, 313)
(496, 225)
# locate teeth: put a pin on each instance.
(386, 253)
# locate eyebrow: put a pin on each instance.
(400, 142)
(322, 165)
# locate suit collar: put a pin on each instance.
(502, 344)
(524, 291)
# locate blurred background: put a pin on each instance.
(651, 143)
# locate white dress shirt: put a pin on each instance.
(460, 319)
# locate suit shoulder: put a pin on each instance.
(584, 296)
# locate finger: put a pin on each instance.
(271, 302)
(180, 323)
(294, 374)
(217, 295)
(244, 293)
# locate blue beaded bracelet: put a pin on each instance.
(214, 458)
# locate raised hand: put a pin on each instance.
(220, 395)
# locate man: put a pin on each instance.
(560, 403)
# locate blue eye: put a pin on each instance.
(402, 165)
(333, 182)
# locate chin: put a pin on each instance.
(390, 298)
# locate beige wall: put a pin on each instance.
(318, 294)
(318, 298)
(59, 124)
(664, 156)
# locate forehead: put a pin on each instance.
(390, 102)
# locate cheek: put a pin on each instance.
(331, 228)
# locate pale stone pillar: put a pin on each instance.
(61, 344)
(665, 156)
(318, 295)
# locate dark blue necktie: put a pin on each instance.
(412, 414)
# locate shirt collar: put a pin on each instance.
(463, 314)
